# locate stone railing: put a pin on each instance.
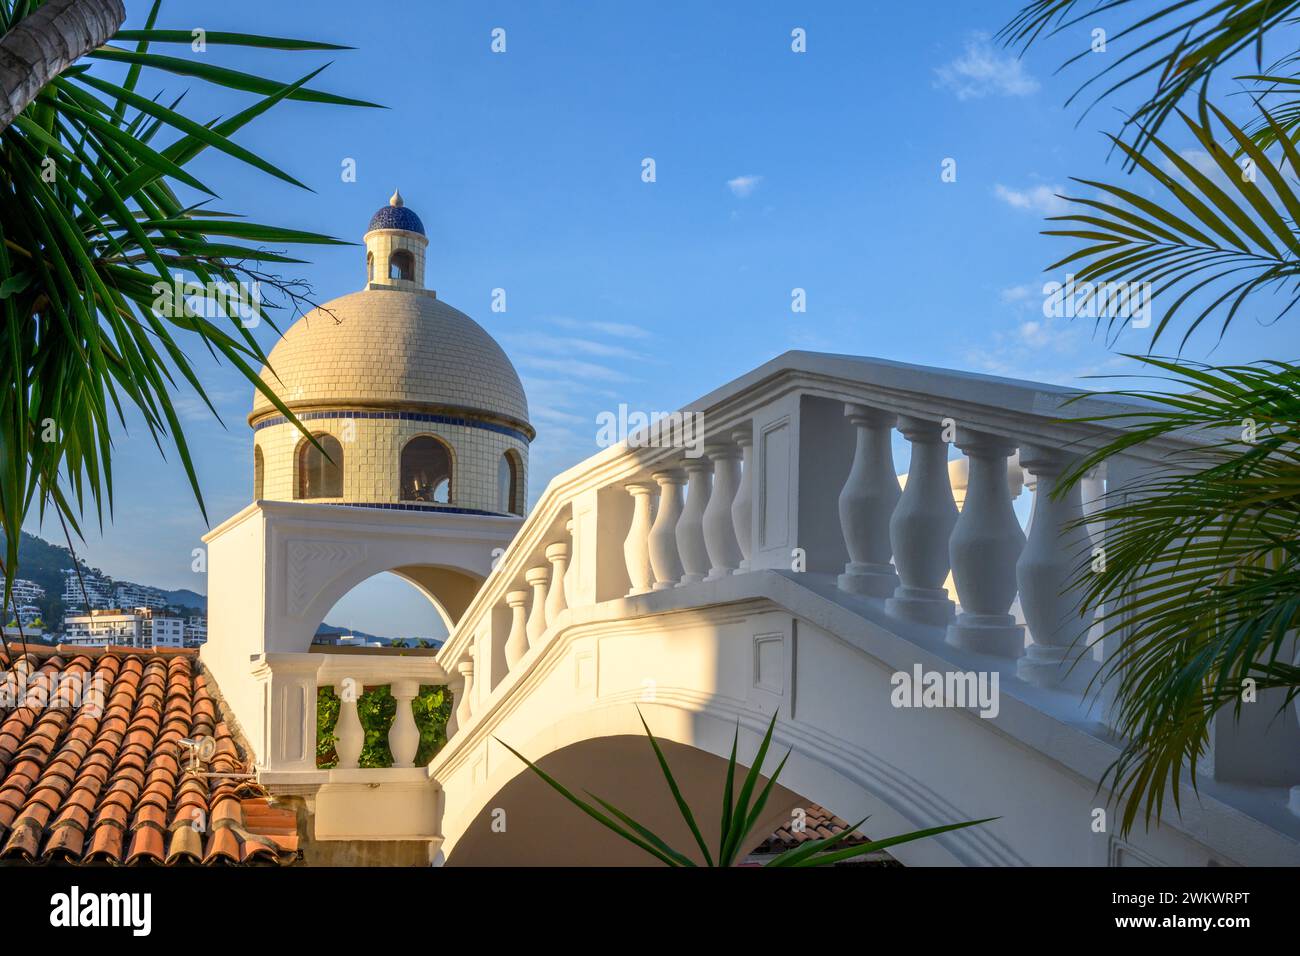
(291, 683)
(795, 473)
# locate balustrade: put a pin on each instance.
(691, 548)
(537, 579)
(636, 547)
(558, 555)
(742, 508)
(985, 544)
(921, 526)
(517, 640)
(719, 525)
(867, 503)
(1057, 545)
(662, 539)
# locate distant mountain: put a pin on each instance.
(44, 563)
(184, 597)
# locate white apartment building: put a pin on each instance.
(103, 626)
(196, 631)
(90, 586)
(26, 592)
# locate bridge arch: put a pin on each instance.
(604, 750)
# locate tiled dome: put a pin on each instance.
(391, 348)
(396, 216)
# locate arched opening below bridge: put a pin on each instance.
(411, 603)
(528, 824)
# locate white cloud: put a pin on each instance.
(574, 368)
(1040, 199)
(618, 329)
(743, 186)
(983, 70)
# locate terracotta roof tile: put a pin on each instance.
(92, 768)
(819, 824)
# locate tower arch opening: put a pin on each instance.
(319, 468)
(426, 468)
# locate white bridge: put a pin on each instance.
(783, 572)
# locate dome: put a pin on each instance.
(396, 216)
(391, 349)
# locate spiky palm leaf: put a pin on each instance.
(91, 229)
(740, 814)
(1177, 45)
(1200, 588)
(1219, 238)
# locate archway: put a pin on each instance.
(385, 607)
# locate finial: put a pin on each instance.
(396, 200)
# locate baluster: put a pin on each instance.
(457, 687)
(664, 559)
(985, 544)
(569, 587)
(719, 528)
(920, 528)
(1049, 562)
(690, 526)
(742, 509)
(636, 546)
(537, 579)
(517, 640)
(351, 736)
(464, 709)
(404, 735)
(558, 555)
(866, 504)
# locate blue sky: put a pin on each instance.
(775, 170)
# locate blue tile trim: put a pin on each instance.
(408, 506)
(425, 417)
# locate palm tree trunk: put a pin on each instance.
(44, 44)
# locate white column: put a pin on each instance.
(351, 736)
(456, 686)
(867, 503)
(985, 545)
(636, 546)
(1058, 547)
(690, 526)
(570, 588)
(536, 579)
(742, 509)
(517, 640)
(464, 710)
(558, 555)
(664, 559)
(920, 528)
(719, 528)
(404, 735)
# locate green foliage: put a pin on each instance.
(741, 812)
(377, 708)
(1200, 588)
(1178, 46)
(1200, 585)
(92, 223)
(1216, 240)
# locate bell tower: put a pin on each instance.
(395, 245)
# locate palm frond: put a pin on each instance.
(1199, 595)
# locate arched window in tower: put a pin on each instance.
(508, 484)
(320, 470)
(401, 265)
(259, 473)
(370, 267)
(426, 470)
